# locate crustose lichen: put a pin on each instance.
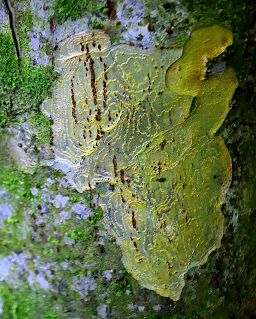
(122, 115)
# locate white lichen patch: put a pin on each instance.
(60, 201)
(103, 311)
(84, 284)
(141, 308)
(5, 212)
(81, 210)
(107, 274)
(157, 307)
(16, 266)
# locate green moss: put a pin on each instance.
(64, 9)
(41, 127)
(20, 183)
(22, 86)
(97, 23)
(24, 21)
(25, 302)
(18, 186)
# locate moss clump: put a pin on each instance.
(18, 186)
(64, 9)
(96, 23)
(20, 303)
(22, 86)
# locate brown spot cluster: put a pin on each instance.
(91, 193)
(82, 46)
(150, 27)
(51, 132)
(73, 102)
(111, 10)
(105, 86)
(151, 119)
(99, 134)
(91, 62)
(159, 167)
(87, 53)
(250, 124)
(98, 117)
(169, 30)
(122, 175)
(115, 165)
(134, 243)
(170, 116)
(133, 221)
(52, 26)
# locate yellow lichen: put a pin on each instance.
(185, 75)
(121, 115)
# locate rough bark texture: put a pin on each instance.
(57, 259)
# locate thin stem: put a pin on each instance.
(13, 27)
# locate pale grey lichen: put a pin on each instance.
(5, 212)
(103, 311)
(60, 201)
(157, 307)
(84, 284)
(81, 210)
(12, 266)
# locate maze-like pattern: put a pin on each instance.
(122, 115)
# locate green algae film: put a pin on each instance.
(121, 115)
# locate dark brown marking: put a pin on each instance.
(82, 46)
(133, 221)
(91, 194)
(115, 165)
(73, 103)
(93, 80)
(122, 175)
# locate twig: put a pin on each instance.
(13, 27)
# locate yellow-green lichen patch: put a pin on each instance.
(185, 75)
(117, 122)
